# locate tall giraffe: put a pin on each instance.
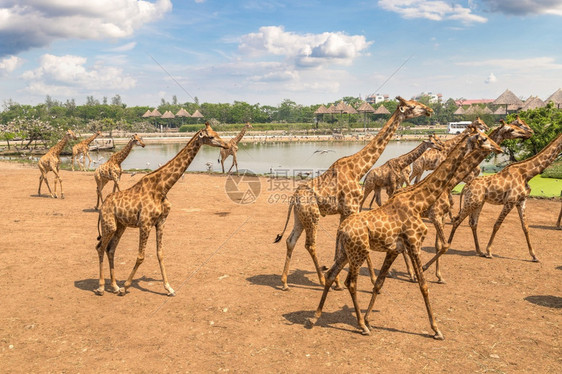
(394, 228)
(111, 169)
(389, 175)
(518, 129)
(51, 162)
(509, 187)
(145, 205)
(337, 190)
(83, 148)
(233, 148)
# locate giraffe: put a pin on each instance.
(233, 148)
(337, 190)
(111, 169)
(390, 176)
(83, 148)
(509, 188)
(518, 129)
(145, 205)
(51, 162)
(393, 228)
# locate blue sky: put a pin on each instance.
(267, 51)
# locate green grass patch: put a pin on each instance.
(554, 170)
(540, 186)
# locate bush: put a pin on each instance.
(190, 128)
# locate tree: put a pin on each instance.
(546, 122)
(116, 100)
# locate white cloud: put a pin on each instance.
(124, 47)
(521, 8)
(304, 49)
(9, 64)
(491, 79)
(36, 23)
(435, 10)
(70, 74)
(528, 64)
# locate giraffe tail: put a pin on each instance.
(279, 236)
(99, 230)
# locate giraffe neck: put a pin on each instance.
(474, 158)
(361, 162)
(90, 139)
(448, 145)
(431, 187)
(57, 148)
(119, 157)
(406, 159)
(165, 177)
(239, 137)
(536, 164)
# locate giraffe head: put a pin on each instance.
(480, 125)
(434, 142)
(248, 125)
(98, 133)
(138, 140)
(70, 134)
(523, 127)
(515, 129)
(479, 141)
(208, 136)
(412, 109)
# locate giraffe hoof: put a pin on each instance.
(309, 323)
(99, 291)
(285, 288)
(441, 281)
(338, 288)
(121, 292)
(488, 256)
(365, 331)
(438, 336)
(171, 294)
(535, 259)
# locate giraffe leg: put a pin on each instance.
(233, 162)
(222, 164)
(473, 222)
(89, 161)
(366, 193)
(144, 231)
(291, 242)
(521, 211)
(388, 260)
(111, 255)
(409, 268)
(371, 270)
(416, 263)
(559, 217)
(377, 197)
(73, 158)
(351, 283)
(100, 182)
(440, 247)
(160, 255)
(108, 230)
(331, 274)
(505, 211)
(310, 246)
(58, 178)
(451, 204)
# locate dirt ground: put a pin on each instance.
(230, 314)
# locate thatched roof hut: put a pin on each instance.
(381, 110)
(533, 102)
(168, 114)
(459, 111)
(349, 109)
(156, 113)
(556, 98)
(197, 114)
(366, 107)
(321, 110)
(508, 98)
(146, 114)
(183, 113)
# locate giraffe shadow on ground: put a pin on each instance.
(297, 279)
(543, 227)
(44, 196)
(559, 268)
(346, 316)
(548, 301)
(91, 284)
(450, 251)
(90, 210)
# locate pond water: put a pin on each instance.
(260, 158)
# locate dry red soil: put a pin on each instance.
(497, 315)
